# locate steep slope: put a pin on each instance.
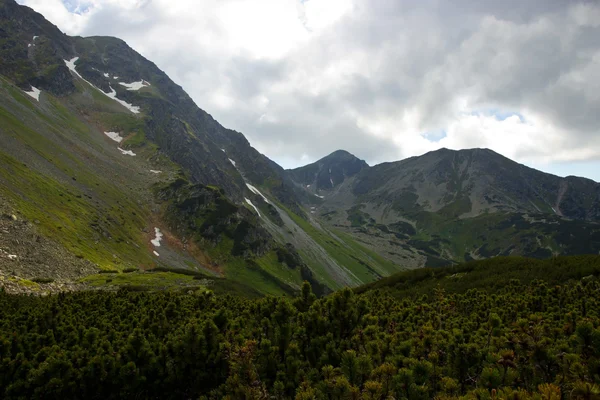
(113, 162)
(448, 206)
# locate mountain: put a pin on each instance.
(477, 181)
(109, 166)
(329, 172)
(449, 206)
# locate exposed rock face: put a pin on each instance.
(29, 61)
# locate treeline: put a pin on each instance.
(524, 340)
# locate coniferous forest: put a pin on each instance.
(497, 329)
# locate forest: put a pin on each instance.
(506, 328)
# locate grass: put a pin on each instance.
(252, 274)
(171, 279)
(87, 214)
(25, 283)
(271, 265)
(71, 218)
(132, 127)
(162, 280)
(366, 265)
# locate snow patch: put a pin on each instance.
(331, 180)
(71, 65)
(12, 257)
(223, 150)
(126, 152)
(35, 93)
(256, 191)
(155, 171)
(157, 237)
(106, 75)
(253, 206)
(156, 253)
(321, 197)
(307, 186)
(553, 210)
(29, 45)
(114, 136)
(113, 94)
(115, 77)
(231, 161)
(130, 107)
(35, 37)
(135, 85)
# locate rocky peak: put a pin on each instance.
(33, 50)
(330, 171)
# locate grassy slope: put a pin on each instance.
(365, 264)
(171, 279)
(87, 213)
(490, 275)
(90, 215)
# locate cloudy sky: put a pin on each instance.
(383, 79)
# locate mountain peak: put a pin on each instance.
(329, 171)
(340, 155)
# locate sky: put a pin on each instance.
(382, 79)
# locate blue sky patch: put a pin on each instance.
(435, 136)
(500, 115)
(76, 6)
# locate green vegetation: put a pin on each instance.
(416, 336)
(85, 212)
(72, 218)
(357, 217)
(365, 264)
(488, 275)
(232, 239)
(142, 279)
(168, 279)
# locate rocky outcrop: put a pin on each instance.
(33, 50)
(205, 215)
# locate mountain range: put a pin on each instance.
(109, 170)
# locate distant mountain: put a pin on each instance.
(477, 181)
(448, 206)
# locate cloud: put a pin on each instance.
(384, 79)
